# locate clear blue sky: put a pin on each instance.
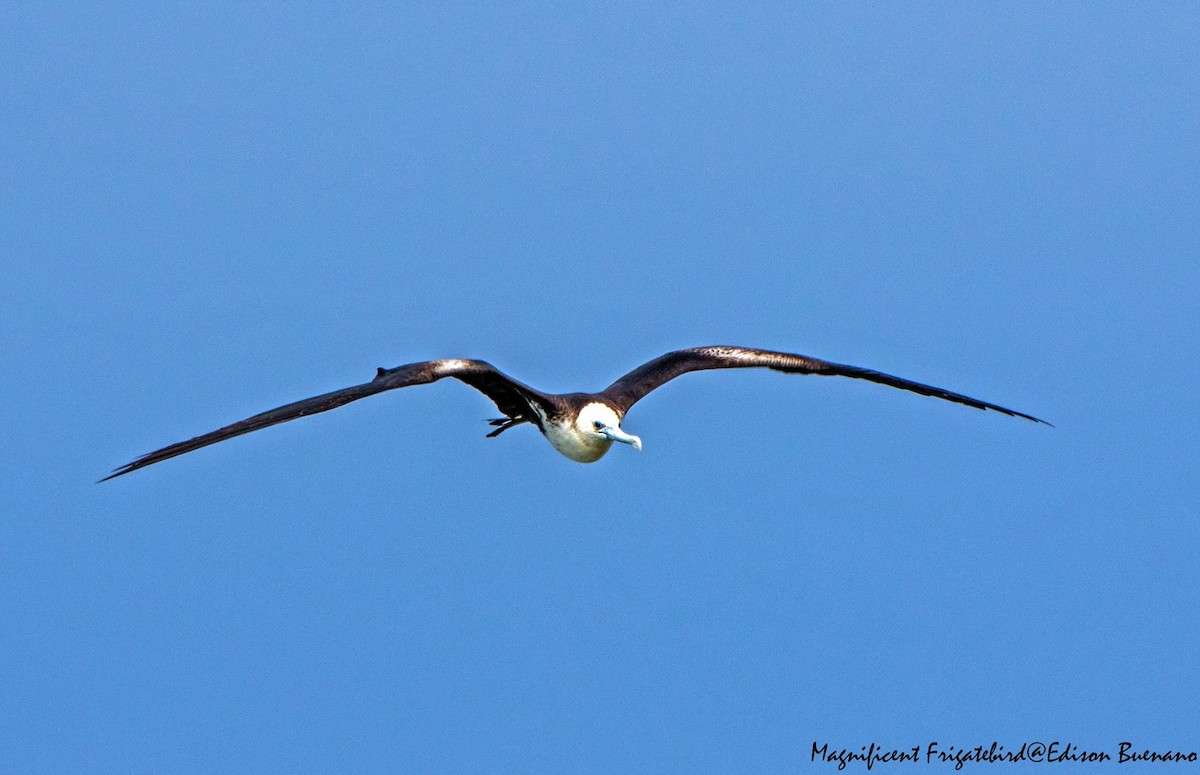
(207, 212)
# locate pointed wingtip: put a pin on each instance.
(125, 469)
(1034, 419)
(116, 472)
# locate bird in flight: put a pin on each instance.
(581, 426)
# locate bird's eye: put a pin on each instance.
(597, 425)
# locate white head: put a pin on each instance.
(600, 422)
(586, 440)
(594, 430)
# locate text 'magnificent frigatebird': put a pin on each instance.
(581, 426)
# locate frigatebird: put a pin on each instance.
(581, 426)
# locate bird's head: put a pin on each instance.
(601, 422)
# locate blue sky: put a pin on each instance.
(207, 212)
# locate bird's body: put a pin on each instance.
(581, 426)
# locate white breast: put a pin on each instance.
(580, 447)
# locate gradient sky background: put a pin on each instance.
(207, 212)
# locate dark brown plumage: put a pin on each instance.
(634, 386)
(557, 416)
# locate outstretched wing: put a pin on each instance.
(634, 386)
(511, 397)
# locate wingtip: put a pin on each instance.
(116, 472)
(121, 471)
(1030, 417)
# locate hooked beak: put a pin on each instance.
(616, 434)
